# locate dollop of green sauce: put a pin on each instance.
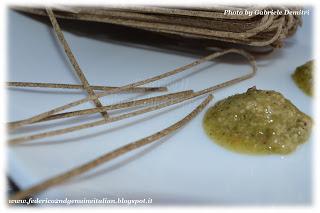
(257, 122)
(303, 77)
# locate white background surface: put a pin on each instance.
(184, 168)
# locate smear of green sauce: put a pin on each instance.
(303, 77)
(257, 122)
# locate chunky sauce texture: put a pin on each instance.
(303, 77)
(257, 122)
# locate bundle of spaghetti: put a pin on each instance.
(260, 29)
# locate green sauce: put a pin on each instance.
(257, 122)
(303, 77)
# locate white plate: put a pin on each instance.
(185, 168)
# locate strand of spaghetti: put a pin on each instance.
(253, 64)
(79, 86)
(139, 83)
(73, 60)
(109, 156)
(118, 106)
(100, 122)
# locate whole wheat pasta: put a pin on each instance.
(139, 83)
(184, 12)
(109, 156)
(123, 105)
(78, 86)
(232, 37)
(99, 122)
(118, 105)
(212, 12)
(159, 26)
(276, 36)
(73, 60)
(214, 24)
(189, 22)
(95, 12)
(240, 40)
(154, 99)
(168, 27)
(138, 112)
